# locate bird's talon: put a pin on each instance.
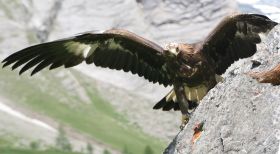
(185, 120)
(182, 126)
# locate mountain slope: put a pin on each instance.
(59, 98)
(95, 118)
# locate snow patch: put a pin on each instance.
(21, 116)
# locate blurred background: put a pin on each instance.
(91, 110)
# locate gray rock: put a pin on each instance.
(240, 114)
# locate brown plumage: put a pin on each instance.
(272, 76)
(192, 69)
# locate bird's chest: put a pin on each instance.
(195, 75)
(182, 69)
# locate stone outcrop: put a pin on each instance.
(240, 115)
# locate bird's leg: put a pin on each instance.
(183, 104)
(185, 120)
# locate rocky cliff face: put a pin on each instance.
(240, 115)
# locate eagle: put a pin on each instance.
(192, 69)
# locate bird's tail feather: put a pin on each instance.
(170, 102)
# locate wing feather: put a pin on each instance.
(234, 38)
(116, 49)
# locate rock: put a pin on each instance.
(240, 115)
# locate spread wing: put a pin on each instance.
(116, 49)
(234, 38)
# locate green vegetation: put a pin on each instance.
(34, 145)
(89, 149)
(62, 142)
(4, 142)
(25, 151)
(7, 140)
(106, 152)
(125, 150)
(46, 94)
(148, 150)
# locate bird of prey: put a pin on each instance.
(192, 69)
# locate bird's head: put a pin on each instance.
(172, 49)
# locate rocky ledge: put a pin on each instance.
(240, 115)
